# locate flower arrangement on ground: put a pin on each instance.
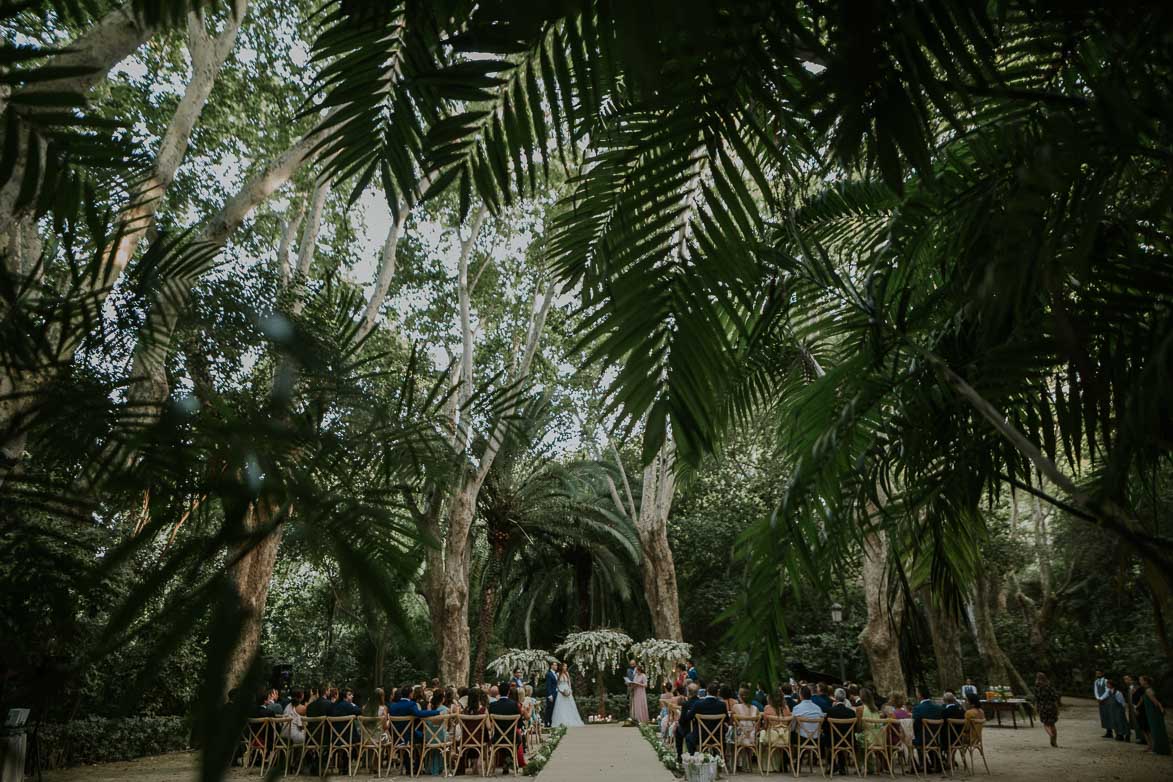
(538, 759)
(666, 753)
(701, 766)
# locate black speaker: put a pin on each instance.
(282, 677)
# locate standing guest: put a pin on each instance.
(967, 689)
(551, 693)
(294, 730)
(1100, 691)
(1129, 690)
(1116, 707)
(692, 674)
(1158, 737)
(639, 695)
(1047, 706)
(1142, 719)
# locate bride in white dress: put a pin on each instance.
(565, 712)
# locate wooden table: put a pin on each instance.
(995, 709)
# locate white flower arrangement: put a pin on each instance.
(531, 662)
(702, 759)
(595, 650)
(657, 656)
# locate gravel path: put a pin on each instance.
(604, 753)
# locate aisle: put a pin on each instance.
(604, 753)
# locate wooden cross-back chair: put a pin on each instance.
(473, 740)
(710, 731)
(255, 743)
(372, 742)
(504, 739)
(809, 746)
(745, 740)
(878, 742)
(438, 739)
(931, 737)
(842, 735)
(280, 743)
(774, 739)
(401, 746)
(968, 743)
(340, 736)
(315, 743)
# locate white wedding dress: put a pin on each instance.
(565, 712)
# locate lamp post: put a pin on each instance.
(837, 619)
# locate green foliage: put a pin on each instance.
(101, 740)
(536, 762)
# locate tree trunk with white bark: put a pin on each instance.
(880, 637)
(946, 634)
(659, 568)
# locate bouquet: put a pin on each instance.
(564, 688)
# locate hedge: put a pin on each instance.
(102, 739)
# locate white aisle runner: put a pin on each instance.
(604, 753)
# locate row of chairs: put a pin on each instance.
(405, 744)
(828, 742)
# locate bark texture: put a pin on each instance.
(946, 635)
(659, 568)
(250, 576)
(999, 669)
(880, 637)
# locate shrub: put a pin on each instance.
(101, 739)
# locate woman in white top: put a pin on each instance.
(294, 730)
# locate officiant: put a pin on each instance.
(637, 693)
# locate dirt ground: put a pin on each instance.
(1022, 755)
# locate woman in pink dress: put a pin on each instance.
(639, 696)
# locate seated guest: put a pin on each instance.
(974, 709)
(505, 708)
(462, 696)
(404, 706)
(924, 710)
(273, 704)
(745, 731)
(494, 694)
(840, 710)
(726, 694)
(709, 705)
(684, 724)
(820, 697)
(788, 697)
(320, 706)
(295, 729)
(806, 708)
(897, 707)
(776, 706)
(951, 710)
(853, 697)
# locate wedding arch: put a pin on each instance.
(657, 656)
(531, 662)
(597, 651)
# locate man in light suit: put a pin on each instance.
(551, 694)
(1100, 690)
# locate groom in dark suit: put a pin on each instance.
(551, 694)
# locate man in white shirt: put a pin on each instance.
(809, 709)
(1100, 691)
(967, 689)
